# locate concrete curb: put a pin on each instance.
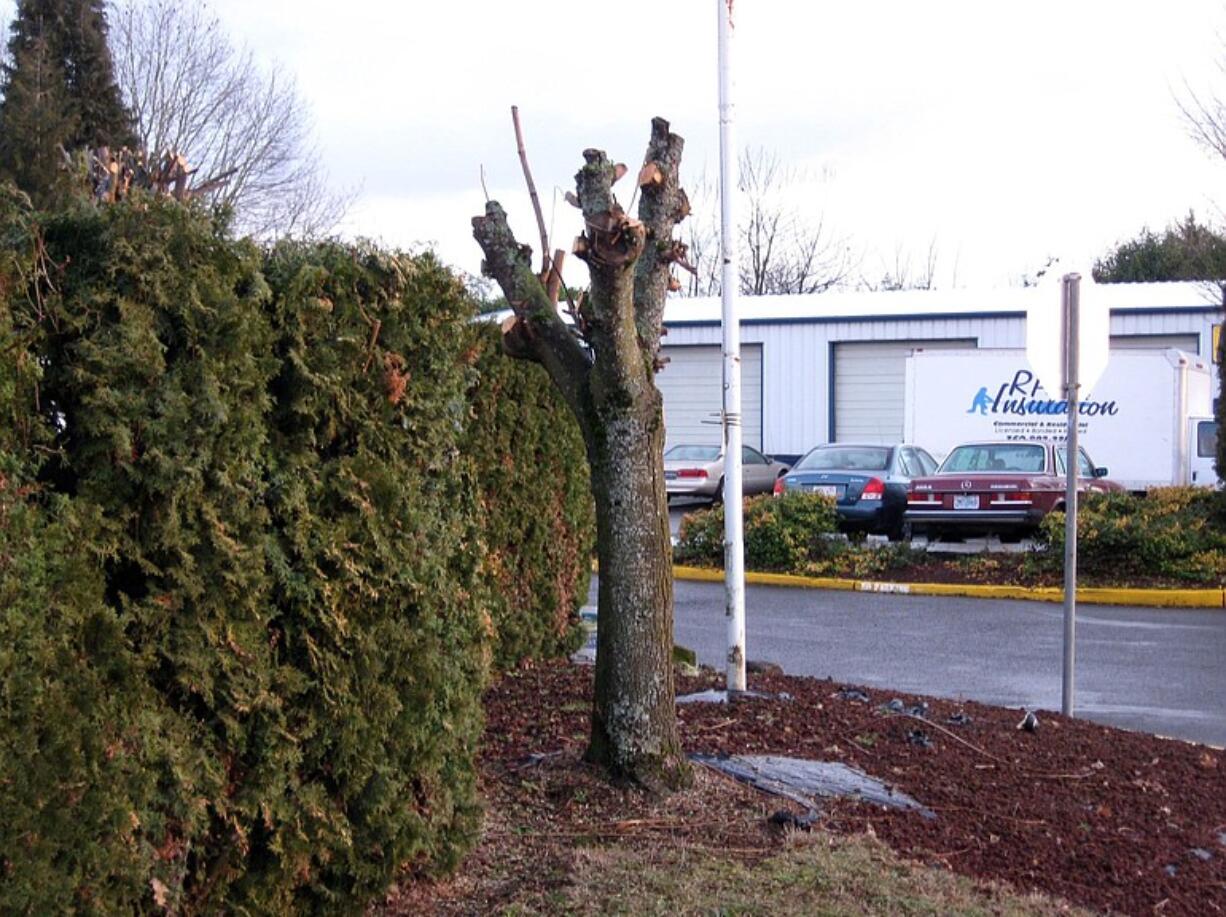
(1149, 598)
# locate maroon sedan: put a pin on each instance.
(996, 487)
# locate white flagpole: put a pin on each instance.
(734, 551)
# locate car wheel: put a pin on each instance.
(718, 497)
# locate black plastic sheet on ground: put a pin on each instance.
(808, 782)
(716, 696)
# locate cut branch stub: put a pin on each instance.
(651, 174)
(517, 339)
(682, 210)
(594, 183)
(677, 252)
(538, 333)
(612, 239)
(507, 261)
(663, 203)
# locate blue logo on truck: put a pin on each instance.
(1020, 397)
(981, 402)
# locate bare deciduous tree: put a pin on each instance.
(604, 366)
(783, 249)
(902, 274)
(245, 130)
(1205, 116)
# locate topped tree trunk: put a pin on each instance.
(604, 364)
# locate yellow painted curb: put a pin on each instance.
(715, 575)
(790, 579)
(1149, 598)
(1157, 598)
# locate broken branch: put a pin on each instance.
(536, 201)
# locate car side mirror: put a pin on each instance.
(1101, 472)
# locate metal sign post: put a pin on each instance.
(1082, 325)
(1070, 341)
(734, 551)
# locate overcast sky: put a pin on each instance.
(1003, 132)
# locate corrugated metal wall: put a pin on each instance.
(797, 357)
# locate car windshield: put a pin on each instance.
(1007, 457)
(846, 458)
(692, 454)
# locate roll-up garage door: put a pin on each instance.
(869, 379)
(693, 388)
(1188, 343)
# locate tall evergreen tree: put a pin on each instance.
(59, 89)
(1187, 250)
(35, 116)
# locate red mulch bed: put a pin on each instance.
(1105, 818)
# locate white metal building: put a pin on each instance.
(830, 366)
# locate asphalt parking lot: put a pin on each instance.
(1155, 670)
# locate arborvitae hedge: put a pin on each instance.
(539, 528)
(374, 563)
(246, 607)
(76, 723)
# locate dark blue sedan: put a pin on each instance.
(868, 483)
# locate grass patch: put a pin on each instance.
(819, 874)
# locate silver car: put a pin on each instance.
(698, 471)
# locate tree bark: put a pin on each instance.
(633, 718)
(605, 369)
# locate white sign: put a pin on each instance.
(1045, 332)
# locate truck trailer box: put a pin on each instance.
(1140, 419)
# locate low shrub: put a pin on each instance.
(1173, 533)
(851, 560)
(785, 533)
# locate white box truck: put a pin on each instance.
(1148, 419)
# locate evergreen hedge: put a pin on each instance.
(247, 606)
(540, 523)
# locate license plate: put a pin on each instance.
(966, 501)
(828, 490)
